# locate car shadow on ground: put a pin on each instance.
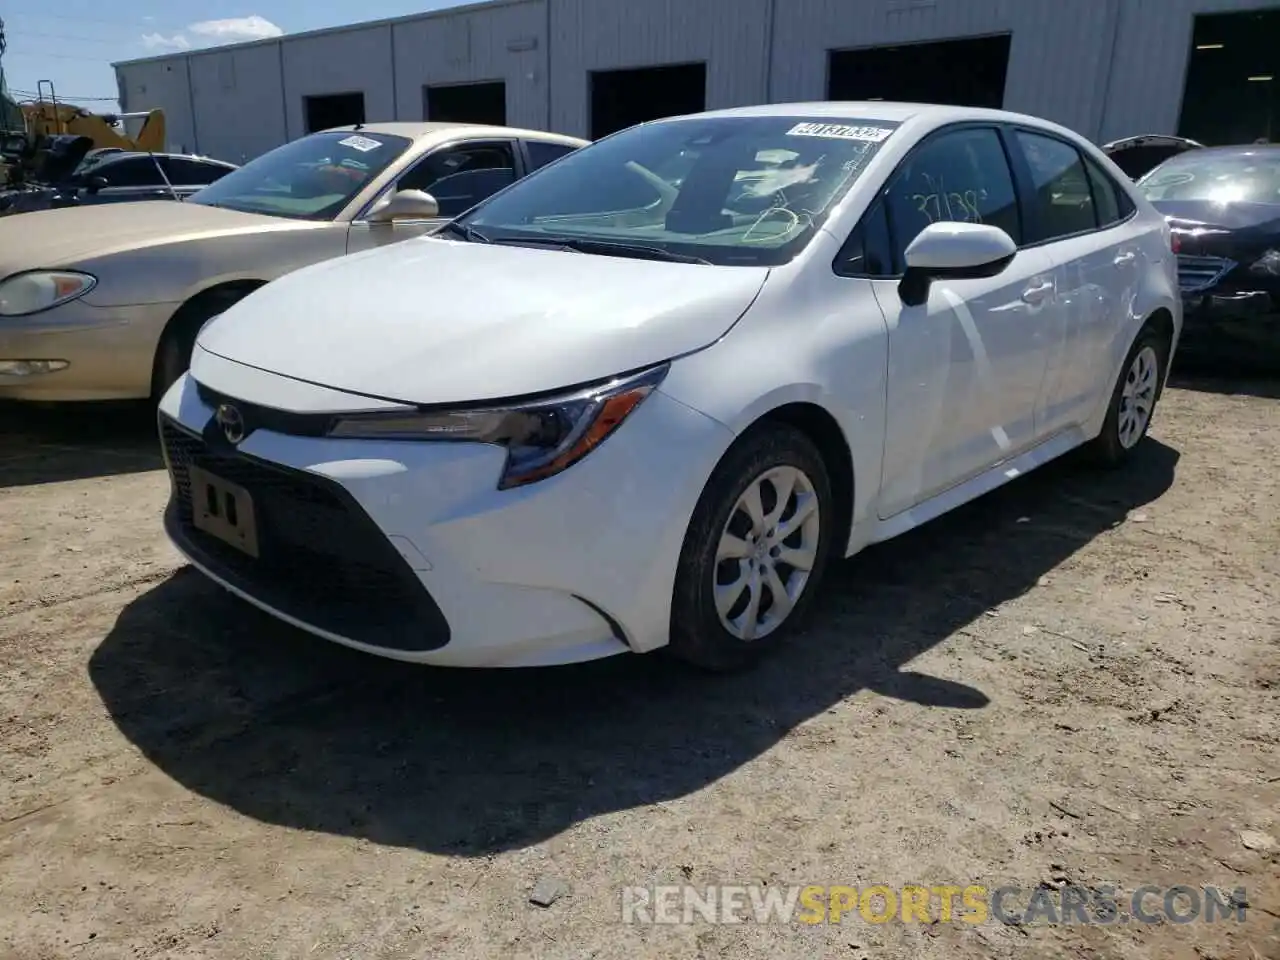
(1213, 380)
(50, 443)
(295, 731)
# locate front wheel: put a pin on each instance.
(754, 552)
(1133, 400)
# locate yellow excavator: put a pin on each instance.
(50, 124)
(47, 118)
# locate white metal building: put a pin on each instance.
(1107, 68)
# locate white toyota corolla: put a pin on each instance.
(645, 395)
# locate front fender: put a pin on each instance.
(175, 272)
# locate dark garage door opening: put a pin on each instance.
(1234, 66)
(333, 110)
(466, 103)
(623, 98)
(966, 73)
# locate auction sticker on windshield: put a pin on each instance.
(363, 144)
(840, 131)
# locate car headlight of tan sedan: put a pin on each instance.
(34, 291)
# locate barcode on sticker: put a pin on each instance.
(840, 131)
(363, 144)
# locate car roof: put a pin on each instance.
(439, 131)
(888, 111)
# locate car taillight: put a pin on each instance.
(1175, 242)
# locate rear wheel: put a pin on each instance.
(1133, 400)
(755, 551)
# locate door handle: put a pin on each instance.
(1038, 293)
(1127, 257)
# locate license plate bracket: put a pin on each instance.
(223, 509)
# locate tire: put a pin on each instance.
(1133, 400)
(768, 455)
(173, 356)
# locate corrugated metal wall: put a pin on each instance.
(235, 93)
(1104, 67)
(504, 42)
(348, 62)
(730, 36)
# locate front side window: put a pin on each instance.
(1251, 176)
(1063, 195)
(309, 179)
(728, 190)
(460, 177)
(962, 175)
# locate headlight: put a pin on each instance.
(38, 290)
(542, 437)
(1268, 264)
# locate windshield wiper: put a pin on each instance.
(470, 234)
(608, 248)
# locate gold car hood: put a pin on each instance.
(62, 238)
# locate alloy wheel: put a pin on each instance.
(767, 551)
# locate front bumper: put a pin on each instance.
(104, 353)
(408, 550)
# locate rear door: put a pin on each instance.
(458, 175)
(1078, 216)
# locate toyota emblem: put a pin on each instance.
(231, 420)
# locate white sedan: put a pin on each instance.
(610, 410)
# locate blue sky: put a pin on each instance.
(76, 46)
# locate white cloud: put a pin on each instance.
(156, 41)
(209, 33)
(236, 29)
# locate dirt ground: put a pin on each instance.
(1075, 680)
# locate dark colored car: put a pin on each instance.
(117, 176)
(1223, 204)
(1141, 154)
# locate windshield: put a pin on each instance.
(308, 179)
(727, 190)
(1253, 176)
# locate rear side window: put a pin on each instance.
(960, 175)
(131, 172)
(1063, 204)
(542, 153)
(183, 172)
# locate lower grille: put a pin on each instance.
(1196, 274)
(321, 560)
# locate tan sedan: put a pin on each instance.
(104, 302)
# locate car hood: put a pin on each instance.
(1213, 216)
(1142, 154)
(62, 237)
(436, 321)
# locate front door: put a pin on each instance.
(965, 368)
(457, 176)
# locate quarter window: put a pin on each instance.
(1106, 196)
(869, 250)
(958, 176)
(1063, 204)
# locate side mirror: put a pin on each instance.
(953, 251)
(406, 205)
(97, 183)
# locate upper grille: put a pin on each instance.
(321, 559)
(1200, 273)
